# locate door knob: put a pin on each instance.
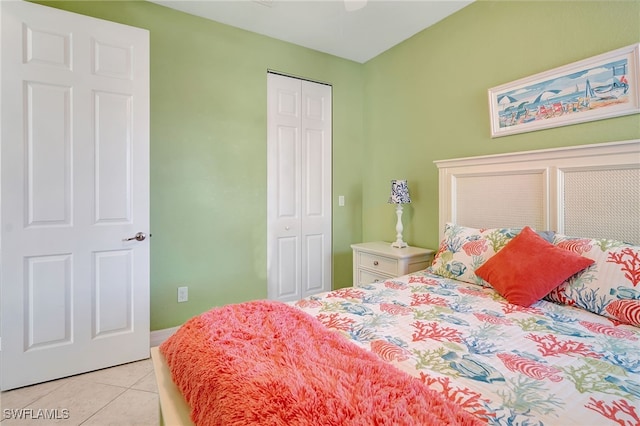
(138, 237)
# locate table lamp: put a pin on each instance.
(399, 196)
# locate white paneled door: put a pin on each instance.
(298, 187)
(74, 186)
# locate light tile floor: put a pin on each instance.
(125, 395)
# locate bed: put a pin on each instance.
(529, 315)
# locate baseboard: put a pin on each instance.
(159, 336)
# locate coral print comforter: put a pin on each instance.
(548, 364)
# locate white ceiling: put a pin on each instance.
(326, 25)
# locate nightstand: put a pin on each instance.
(378, 261)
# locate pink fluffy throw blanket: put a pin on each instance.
(268, 363)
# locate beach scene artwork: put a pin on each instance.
(597, 88)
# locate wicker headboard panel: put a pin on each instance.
(586, 190)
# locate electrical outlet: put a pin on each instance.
(183, 294)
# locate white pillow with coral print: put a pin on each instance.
(464, 249)
(611, 286)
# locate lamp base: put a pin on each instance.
(399, 244)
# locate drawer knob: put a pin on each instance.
(375, 263)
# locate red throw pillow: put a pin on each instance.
(528, 268)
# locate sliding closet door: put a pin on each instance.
(298, 188)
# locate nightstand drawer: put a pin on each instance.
(368, 277)
(378, 263)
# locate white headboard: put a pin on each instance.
(586, 190)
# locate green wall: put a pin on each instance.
(208, 154)
(426, 99)
(423, 100)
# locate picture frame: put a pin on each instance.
(596, 88)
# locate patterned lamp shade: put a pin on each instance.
(399, 192)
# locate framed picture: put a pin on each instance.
(600, 87)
